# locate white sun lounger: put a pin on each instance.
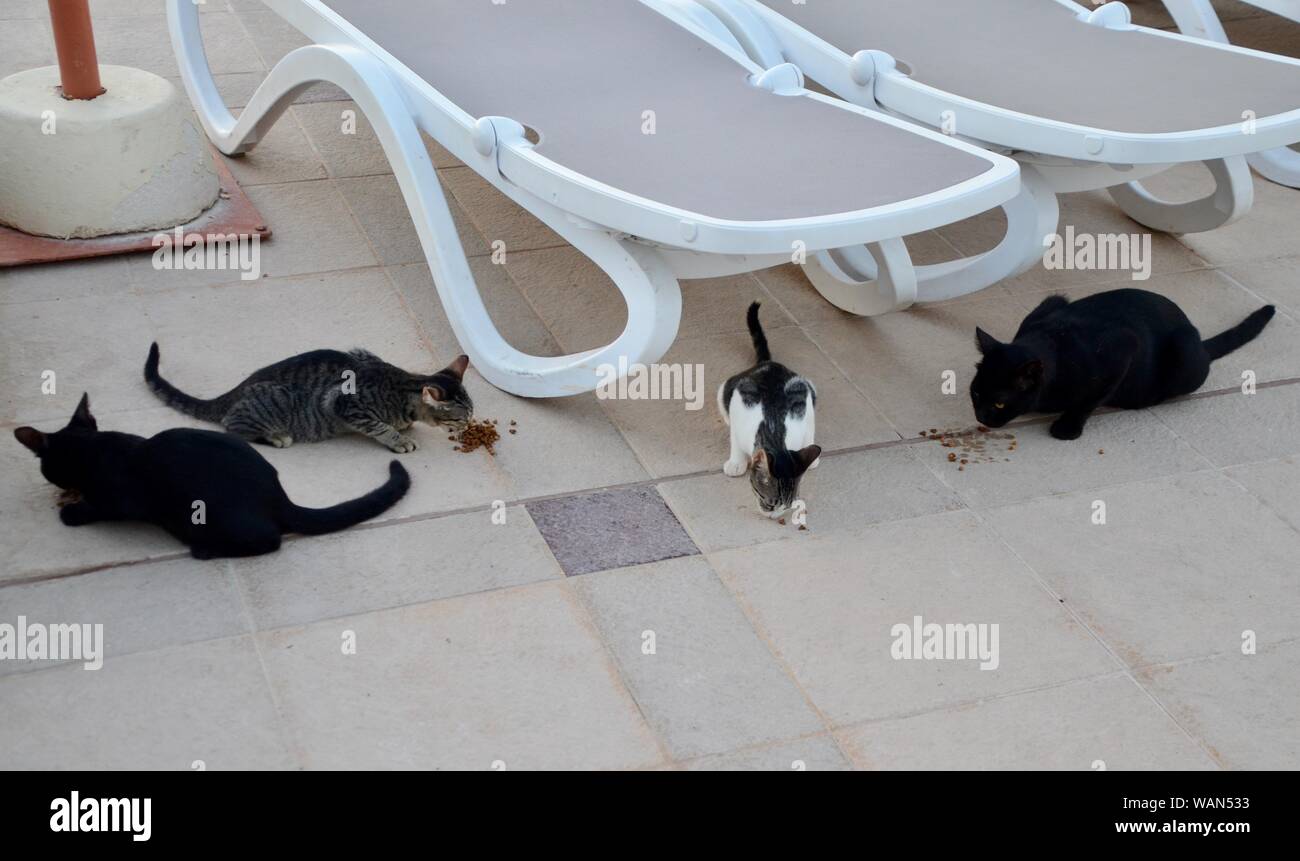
(551, 101)
(1081, 97)
(1198, 18)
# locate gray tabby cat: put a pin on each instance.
(327, 393)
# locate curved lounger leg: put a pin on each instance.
(647, 282)
(1198, 18)
(847, 276)
(1232, 197)
(867, 280)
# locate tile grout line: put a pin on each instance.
(652, 481)
(281, 722)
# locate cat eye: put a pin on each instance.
(1000, 406)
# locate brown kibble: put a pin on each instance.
(803, 528)
(781, 521)
(964, 461)
(952, 457)
(961, 469)
(1101, 451)
(513, 422)
(512, 430)
(476, 435)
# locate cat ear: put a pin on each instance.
(807, 457)
(760, 461)
(82, 417)
(1030, 374)
(458, 368)
(985, 342)
(433, 395)
(33, 439)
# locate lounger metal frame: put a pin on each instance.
(644, 246)
(1198, 18)
(1055, 157)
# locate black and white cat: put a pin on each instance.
(771, 412)
(166, 479)
(1121, 348)
(327, 393)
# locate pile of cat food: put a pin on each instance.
(973, 445)
(477, 435)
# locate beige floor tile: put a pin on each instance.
(94, 344)
(344, 137)
(312, 231)
(213, 337)
(160, 710)
(1179, 569)
(142, 41)
(497, 216)
(1267, 231)
(283, 155)
(377, 203)
(1276, 482)
(75, 279)
(142, 607)
(899, 360)
(843, 495)
(1135, 446)
(509, 310)
(269, 35)
(427, 688)
(1090, 725)
(710, 685)
(814, 753)
(829, 607)
(28, 44)
(1276, 281)
(1238, 428)
(393, 566)
(1243, 707)
(672, 440)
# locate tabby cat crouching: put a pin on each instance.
(326, 393)
(211, 490)
(771, 412)
(1122, 348)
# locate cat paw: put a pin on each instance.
(403, 446)
(1066, 430)
(280, 440)
(75, 515)
(735, 469)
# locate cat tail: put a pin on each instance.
(756, 332)
(209, 411)
(318, 521)
(1240, 335)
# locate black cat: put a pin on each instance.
(211, 490)
(1123, 348)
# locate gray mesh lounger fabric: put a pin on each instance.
(582, 72)
(1036, 57)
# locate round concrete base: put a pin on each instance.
(133, 159)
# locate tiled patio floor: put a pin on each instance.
(631, 609)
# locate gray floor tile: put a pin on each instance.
(1246, 708)
(815, 753)
(1238, 428)
(610, 529)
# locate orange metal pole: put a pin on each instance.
(74, 39)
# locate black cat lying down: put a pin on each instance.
(182, 476)
(1123, 348)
